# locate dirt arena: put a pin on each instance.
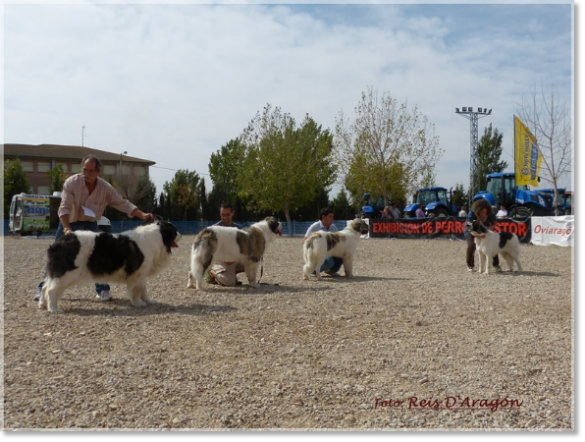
(414, 341)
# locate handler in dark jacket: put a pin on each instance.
(481, 210)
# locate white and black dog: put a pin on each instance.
(127, 258)
(341, 244)
(218, 244)
(489, 244)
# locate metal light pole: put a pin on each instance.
(473, 116)
(121, 155)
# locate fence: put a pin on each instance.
(294, 228)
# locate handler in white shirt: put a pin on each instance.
(332, 264)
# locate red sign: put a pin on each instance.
(450, 227)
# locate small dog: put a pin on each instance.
(489, 244)
(128, 258)
(341, 244)
(218, 244)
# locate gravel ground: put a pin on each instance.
(414, 341)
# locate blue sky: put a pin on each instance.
(173, 83)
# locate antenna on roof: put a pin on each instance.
(82, 135)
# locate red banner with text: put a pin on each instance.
(449, 228)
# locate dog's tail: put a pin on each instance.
(204, 247)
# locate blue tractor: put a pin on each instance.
(565, 199)
(435, 201)
(373, 209)
(520, 201)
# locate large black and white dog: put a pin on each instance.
(218, 244)
(130, 257)
(489, 244)
(341, 244)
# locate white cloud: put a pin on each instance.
(173, 83)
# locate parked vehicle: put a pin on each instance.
(520, 201)
(565, 199)
(373, 209)
(435, 201)
(32, 214)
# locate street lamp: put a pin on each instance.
(473, 116)
(121, 155)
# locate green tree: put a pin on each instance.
(57, 178)
(224, 166)
(489, 151)
(285, 167)
(182, 195)
(341, 206)
(388, 150)
(460, 196)
(146, 199)
(15, 182)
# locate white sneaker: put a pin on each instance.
(470, 269)
(104, 295)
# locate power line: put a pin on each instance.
(176, 170)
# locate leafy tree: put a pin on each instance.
(388, 150)
(341, 206)
(57, 177)
(162, 208)
(489, 151)
(183, 195)
(139, 190)
(224, 167)
(428, 178)
(460, 196)
(15, 182)
(549, 120)
(145, 199)
(285, 167)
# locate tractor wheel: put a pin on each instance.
(442, 212)
(520, 213)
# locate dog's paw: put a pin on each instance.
(139, 303)
(55, 310)
(151, 301)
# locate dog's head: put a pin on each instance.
(169, 233)
(476, 228)
(360, 225)
(274, 225)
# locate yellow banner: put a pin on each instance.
(527, 157)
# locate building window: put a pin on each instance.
(109, 170)
(28, 166)
(43, 167)
(125, 170)
(42, 190)
(64, 165)
(76, 168)
(139, 171)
